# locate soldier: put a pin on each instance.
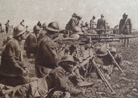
(13, 70)
(22, 23)
(43, 32)
(125, 27)
(92, 23)
(31, 42)
(39, 24)
(7, 26)
(58, 77)
(74, 21)
(101, 25)
(106, 62)
(47, 53)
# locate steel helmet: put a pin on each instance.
(102, 51)
(36, 28)
(44, 25)
(53, 26)
(67, 58)
(112, 49)
(75, 36)
(18, 30)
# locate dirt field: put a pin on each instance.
(124, 86)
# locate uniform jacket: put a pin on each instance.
(72, 23)
(101, 24)
(31, 43)
(47, 53)
(12, 63)
(92, 23)
(125, 26)
(58, 78)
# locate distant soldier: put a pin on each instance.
(13, 69)
(39, 24)
(7, 26)
(101, 25)
(43, 32)
(92, 23)
(125, 27)
(74, 21)
(22, 23)
(31, 42)
(47, 54)
(1, 28)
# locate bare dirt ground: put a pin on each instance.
(124, 86)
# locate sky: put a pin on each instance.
(61, 11)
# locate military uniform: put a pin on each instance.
(12, 65)
(7, 27)
(125, 26)
(46, 56)
(58, 78)
(31, 44)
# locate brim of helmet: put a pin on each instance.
(102, 54)
(19, 34)
(60, 63)
(51, 29)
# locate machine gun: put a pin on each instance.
(107, 84)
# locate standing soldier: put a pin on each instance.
(125, 27)
(22, 23)
(13, 70)
(47, 53)
(1, 28)
(92, 23)
(7, 26)
(31, 42)
(101, 25)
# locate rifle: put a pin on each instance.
(115, 62)
(82, 63)
(107, 84)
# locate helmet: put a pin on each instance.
(74, 15)
(102, 51)
(44, 25)
(75, 36)
(77, 29)
(112, 49)
(36, 28)
(18, 30)
(53, 26)
(67, 58)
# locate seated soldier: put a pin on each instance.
(56, 81)
(105, 60)
(13, 70)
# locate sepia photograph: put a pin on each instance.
(68, 49)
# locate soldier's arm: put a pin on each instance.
(63, 85)
(32, 41)
(10, 49)
(50, 50)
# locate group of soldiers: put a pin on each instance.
(57, 67)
